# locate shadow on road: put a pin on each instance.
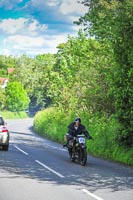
(98, 174)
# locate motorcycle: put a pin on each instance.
(77, 149)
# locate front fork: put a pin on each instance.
(76, 151)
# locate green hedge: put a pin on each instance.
(52, 123)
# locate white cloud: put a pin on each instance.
(45, 3)
(53, 3)
(9, 4)
(27, 36)
(34, 26)
(30, 35)
(57, 11)
(16, 45)
(38, 4)
(11, 26)
(22, 42)
(55, 40)
(75, 27)
(21, 25)
(72, 7)
(6, 52)
(64, 7)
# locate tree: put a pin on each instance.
(34, 76)
(5, 63)
(2, 99)
(16, 97)
(112, 22)
(80, 80)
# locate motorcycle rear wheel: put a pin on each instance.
(71, 155)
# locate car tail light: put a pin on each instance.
(4, 129)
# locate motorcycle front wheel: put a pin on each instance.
(83, 157)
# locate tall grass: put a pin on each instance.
(13, 115)
(52, 123)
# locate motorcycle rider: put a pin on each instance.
(74, 129)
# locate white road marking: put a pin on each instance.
(63, 149)
(91, 194)
(45, 166)
(21, 150)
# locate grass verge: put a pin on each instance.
(52, 123)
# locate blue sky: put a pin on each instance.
(37, 26)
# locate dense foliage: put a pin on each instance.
(5, 63)
(16, 97)
(82, 75)
(112, 22)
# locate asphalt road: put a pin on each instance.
(35, 168)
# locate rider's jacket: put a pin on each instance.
(77, 131)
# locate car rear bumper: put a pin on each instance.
(4, 138)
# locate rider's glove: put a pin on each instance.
(89, 137)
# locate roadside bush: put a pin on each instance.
(16, 97)
(52, 123)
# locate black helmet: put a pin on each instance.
(78, 120)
